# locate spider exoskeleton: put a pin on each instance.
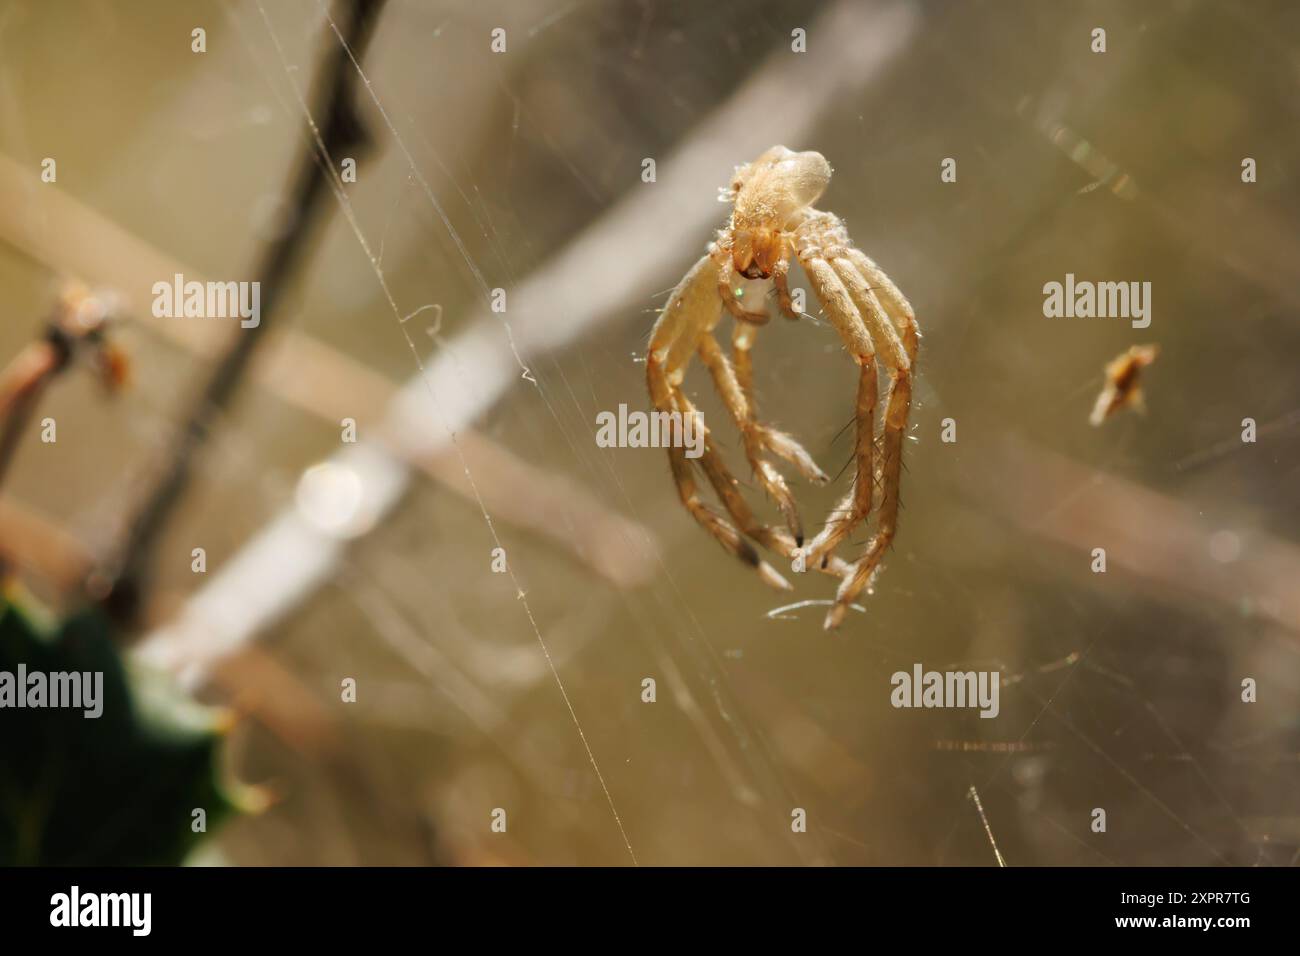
(772, 220)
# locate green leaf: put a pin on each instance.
(118, 789)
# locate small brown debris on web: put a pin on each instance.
(1122, 389)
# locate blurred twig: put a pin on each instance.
(21, 384)
(78, 320)
(340, 132)
(77, 323)
(1152, 538)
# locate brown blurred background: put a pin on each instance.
(1121, 691)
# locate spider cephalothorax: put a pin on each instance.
(771, 195)
(772, 220)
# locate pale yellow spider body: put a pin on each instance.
(773, 220)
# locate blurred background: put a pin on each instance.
(522, 170)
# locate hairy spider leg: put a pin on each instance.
(835, 300)
(733, 397)
(727, 488)
(897, 410)
(774, 440)
(781, 281)
(691, 311)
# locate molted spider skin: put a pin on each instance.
(773, 220)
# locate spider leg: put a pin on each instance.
(691, 311)
(726, 487)
(897, 409)
(781, 281)
(900, 398)
(756, 437)
(777, 442)
(900, 310)
(838, 305)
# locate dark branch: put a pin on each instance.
(342, 132)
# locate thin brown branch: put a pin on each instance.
(77, 321)
(340, 131)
